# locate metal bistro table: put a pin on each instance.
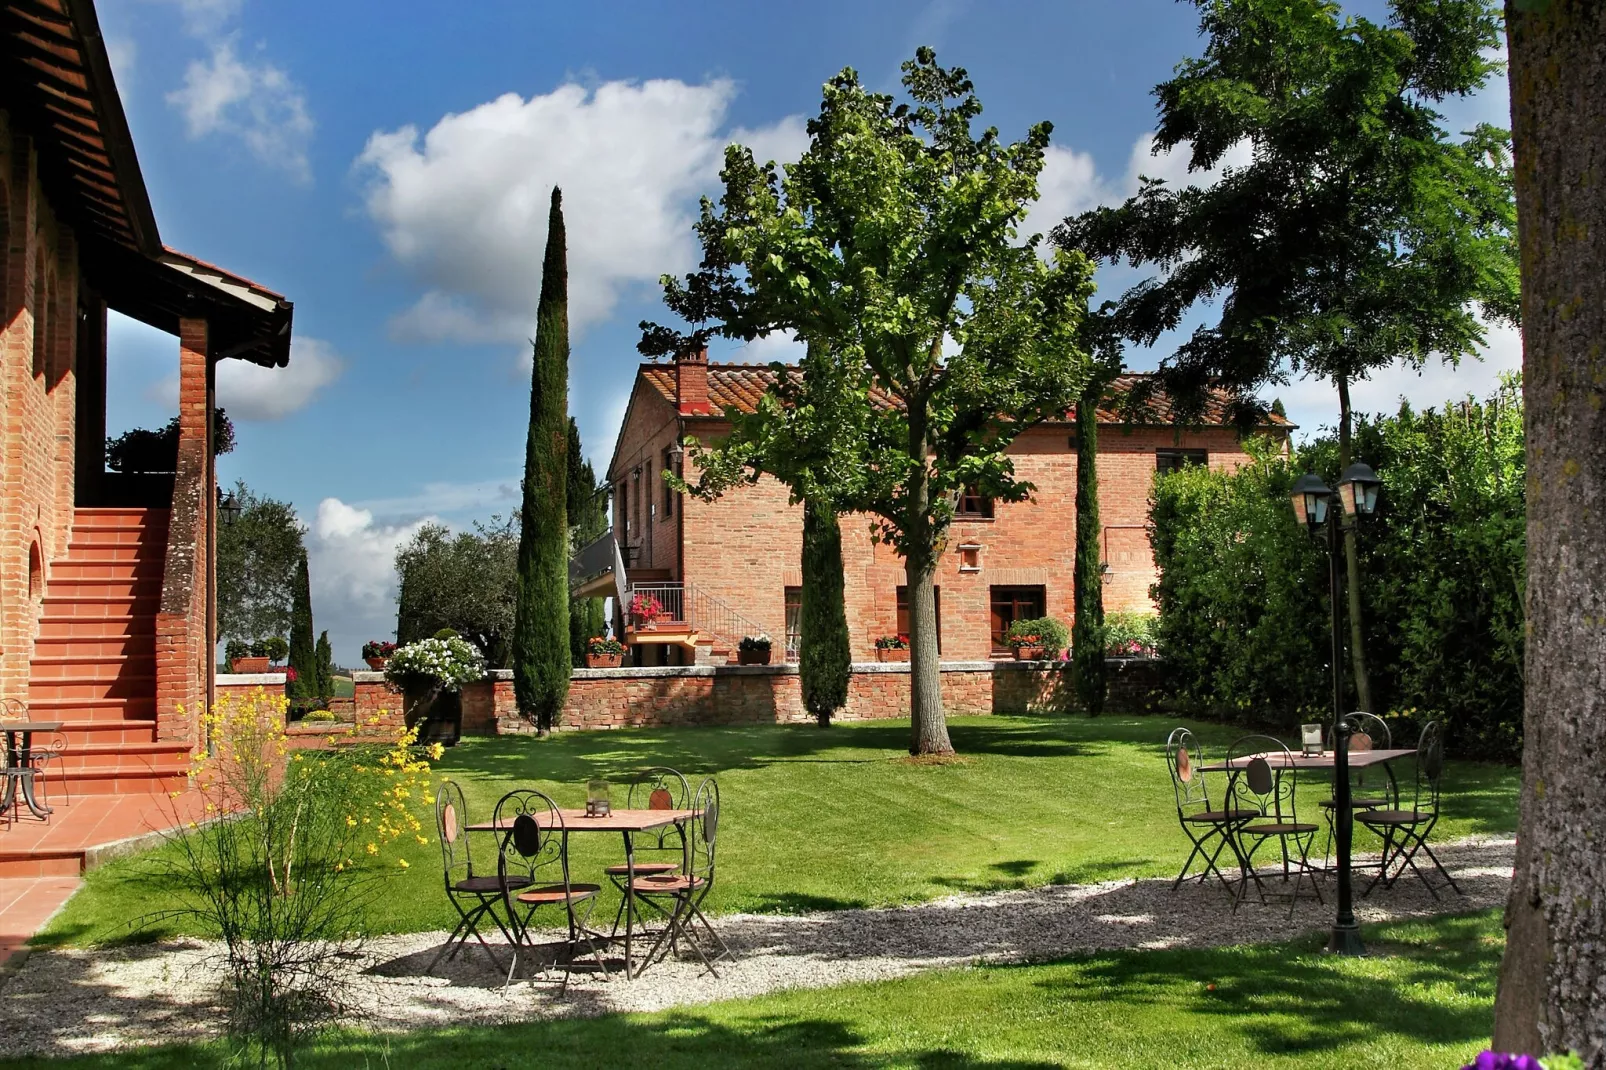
(19, 763)
(627, 823)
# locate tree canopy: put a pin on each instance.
(257, 557)
(464, 582)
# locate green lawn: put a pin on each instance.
(840, 818)
(1423, 998)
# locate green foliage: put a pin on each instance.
(603, 644)
(324, 659)
(1045, 632)
(257, 556)
(1087, 647)
(464, 582)
(1244, 619)
(825, 657)
(542, 644)
(303, 683)
(588, 520)
(439, 662)
(141, 450)
(319, 715)
(893, 234)
(1130, 634)
(236, 648)
(1358, 233)
(274, 648)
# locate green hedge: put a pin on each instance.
(1243, 591)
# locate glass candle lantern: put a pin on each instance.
(597, 804)
(1310, 736)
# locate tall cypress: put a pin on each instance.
(588, 519)
(1087, 632)
(824, 658)
(303, 652)
(541, 661)
(325, 656)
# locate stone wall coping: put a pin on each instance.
(250, 679)
(660, 672)
(362, 676)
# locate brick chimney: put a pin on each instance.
(691, 382)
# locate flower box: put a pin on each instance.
(753, 657)
(249, 665)
(884, 653)
(376, 664)
(1028, 653)
(604, 661)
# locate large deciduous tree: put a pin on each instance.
(891, 245)
(257, 555)
(541, 659)
(1358, 235)
(464, 582)
(1551, 994)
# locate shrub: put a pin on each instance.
(1129, 635)
(273, 648)
(286, 864)
(143, 450)
(892, 642)
(753, 643)
(319, 715)
(446, 664)
(603, 645)
(1045, 632)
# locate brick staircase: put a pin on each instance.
(94, 662)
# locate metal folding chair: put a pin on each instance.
(684, 893)
(47, 768)
(1263, 781)
(658, 788)
(1368, 732)
(474, 896)
(1405, 832)
(1206, 828)
(533, 850)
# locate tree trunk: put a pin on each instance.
(1352, 564)
(928, 725)
(1551, 995)
(1087, 635)
(825, 658)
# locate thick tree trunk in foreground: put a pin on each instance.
(928, 724)
(1352, 563)
(1552, 992)
(825, 659)
(1087, 634)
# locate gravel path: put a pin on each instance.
(73, 1001)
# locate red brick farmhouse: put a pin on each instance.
(728, 567)
(107, 617)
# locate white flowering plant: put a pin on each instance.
(758, 643)
(444, 663)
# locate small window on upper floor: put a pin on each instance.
(1167, 461)
(974, 506)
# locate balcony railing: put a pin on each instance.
(701, 612)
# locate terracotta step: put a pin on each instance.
(103, 569)
(136, 709)
(115, 549)
(83, 733)
(89, 688)
(116, 515)
(97, 647)
(62, 862)
(128, 782)
(97, 626)
(103, 759)
(48, 670)
(101, 534)
(104, 589)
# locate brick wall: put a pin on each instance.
(39, 286)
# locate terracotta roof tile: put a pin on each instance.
(738, 387)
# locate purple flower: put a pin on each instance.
(1503, 1060)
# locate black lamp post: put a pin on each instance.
(228, 506)
(1313, 506)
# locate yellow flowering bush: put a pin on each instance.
(291, 848)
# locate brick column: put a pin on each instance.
(20, 234)
(183, 654)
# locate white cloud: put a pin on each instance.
(123, 53)
(783, 143)
(252, 392)
(206, 17)
(448, 499)
(777, 345)
(350, 561)
(463, 206)
(257, 103)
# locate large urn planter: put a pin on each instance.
(437, 713)
(376, 664)
(604, 661)
(883, 653)
(1028, 653)
(753, 657)
(249, 665)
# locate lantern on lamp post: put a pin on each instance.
(1312, 501)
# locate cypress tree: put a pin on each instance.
(303, 652)
(326, 669)
(541, 660)
(1087, 632)
(824, 659)
(588, 519)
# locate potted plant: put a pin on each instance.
(431, 672)
(892, 648)
(1040, 639)
(244, 657)
(273, 648)
(604, 652)
(1129, 635)
(645, 609)
(376, 652)
(754, 650)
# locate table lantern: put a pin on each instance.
(1310, 736)
(597, 799)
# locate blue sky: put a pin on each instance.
(387, 166)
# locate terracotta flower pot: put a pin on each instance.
(249, 665)
(376, 664)
(885, 653)
(604, 661)
(1028, 653)
(753, 657)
